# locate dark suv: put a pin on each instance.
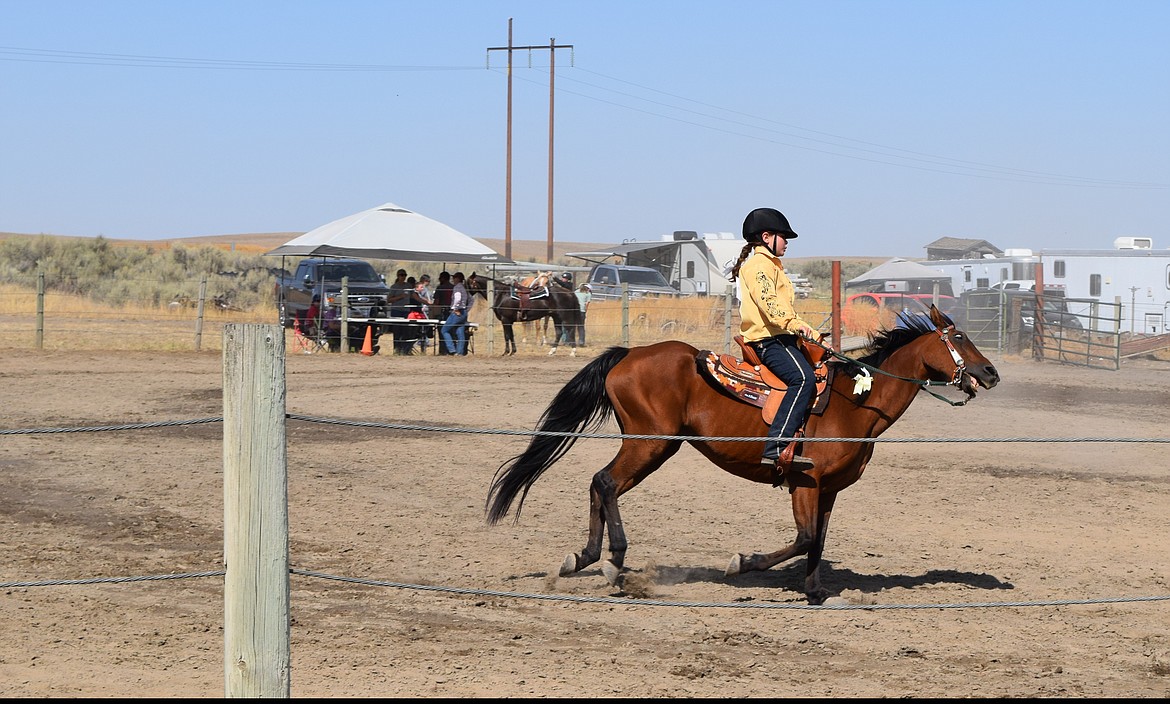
(605, 282)
(1055, 312)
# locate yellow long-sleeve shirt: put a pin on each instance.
(766, 298)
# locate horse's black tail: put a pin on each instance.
(580, 405)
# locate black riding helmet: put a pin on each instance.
(763, 220)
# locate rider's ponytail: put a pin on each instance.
(743, 254)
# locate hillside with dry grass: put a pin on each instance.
(154, 287)
(261, 242)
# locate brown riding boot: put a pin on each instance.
(798, 462)
(787, 462)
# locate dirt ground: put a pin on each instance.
(930, 524)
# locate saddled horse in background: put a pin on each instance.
(545, 296)
(660, 390)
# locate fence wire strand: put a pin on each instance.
(552, 433)
(616, 600)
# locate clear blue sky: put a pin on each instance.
(877, 127)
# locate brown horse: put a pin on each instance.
(659, 390)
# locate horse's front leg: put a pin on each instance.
(806, 509)
(812, 575)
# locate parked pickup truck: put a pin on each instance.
(605, 282)
(322, 276)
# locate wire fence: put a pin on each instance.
(626, 601)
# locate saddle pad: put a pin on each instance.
(525, 294)
(743, 382)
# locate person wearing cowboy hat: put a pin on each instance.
(584, 295)
(770, 324)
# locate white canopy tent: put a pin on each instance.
(390, 232)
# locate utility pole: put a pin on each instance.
(1132, 307)
(552, 46)
(552, 73)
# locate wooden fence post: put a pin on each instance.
(255, 513)
(625, 314)
(344, 315)
(40, 337)
(491, 329)
(836, 328)
(727, 299)
(199, 313)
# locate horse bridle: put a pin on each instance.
(956, 381)
(960, 366)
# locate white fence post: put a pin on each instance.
(255, 513)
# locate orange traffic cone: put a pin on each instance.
(368, 345)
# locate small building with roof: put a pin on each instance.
(959, 248)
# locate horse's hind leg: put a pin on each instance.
(635, 461)
(509, 339)
(601, 497)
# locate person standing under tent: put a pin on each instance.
(397, 302)
(457, 319)
(441, 305)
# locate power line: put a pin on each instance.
(946, 165)
(867, 151)
(22, 54)
(921, 156)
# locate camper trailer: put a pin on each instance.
(695, 264)
(1135, 277)
(683, 259)
(970, 274)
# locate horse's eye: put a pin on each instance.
(959, 337)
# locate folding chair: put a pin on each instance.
(307, 343)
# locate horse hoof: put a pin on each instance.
(735, 566)
(612, 572)
(569, 566)
(552, 351)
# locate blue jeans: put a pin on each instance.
(782, 356)
(458, 322)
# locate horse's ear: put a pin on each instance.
(936, 317)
